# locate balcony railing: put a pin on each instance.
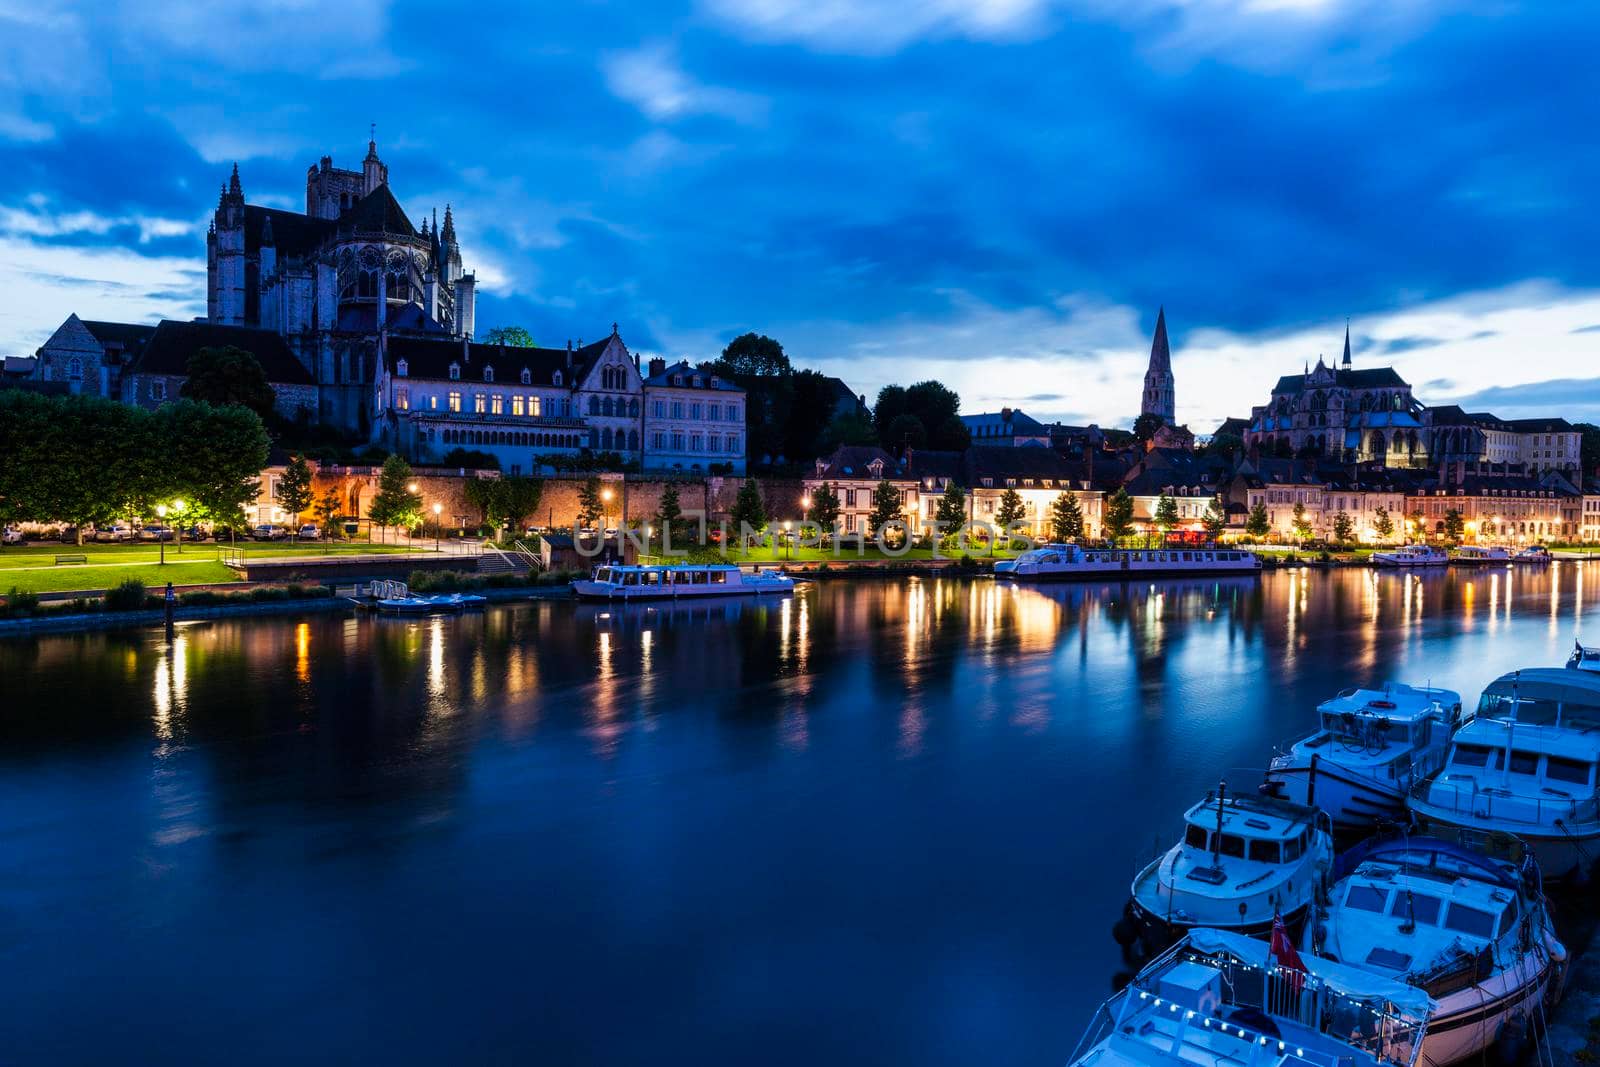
(565, 422)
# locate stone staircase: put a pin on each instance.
(495, 561)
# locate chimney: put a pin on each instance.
(657, 366)
(569, 353)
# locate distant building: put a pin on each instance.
(1159, 387)
(1455, 435)
(91, 356)
(693, 420)
(1008, 427)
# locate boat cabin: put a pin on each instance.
(1256, 829)
(680, 574)
(1546, 696)
(1397, 715)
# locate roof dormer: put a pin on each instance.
(455, 372)
(527, 376)
(402, 368)
(488, 372)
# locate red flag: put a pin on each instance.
(1283, 949)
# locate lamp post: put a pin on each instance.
(436, 509)
(161, 513)
(605, 511)
(177, 509)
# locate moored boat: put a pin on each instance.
(1526, 766)
(1243, 861)
(1062, 562)
(1410, 556)
(677, 580)
(1372, 746)
(1462, 920)
(1219, 998)
(1480, 555)
(1533, 555)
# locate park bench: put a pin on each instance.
(71, 557)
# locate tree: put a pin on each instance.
(510, 336)
(951, 510)
(395, 504)
(1588, 447)
(755, 354)
(885, 507)
(294, 487)
(471, 459)
(1417, 525)
(1146, 425)
(1166, 514)
(513, 500)
(932, 405)
(670, 514)
(1383, 524)
(479, 494)
(591, 507)
(1118, 519)
(216, 458)
(851, 428)
(329, 510)
(1301, 523)
(1257, 523)
(1228, 446)
(1344, 528)
(1454, 525)
(811, 399)
(1010, 511)
(824, 507)
(749, 509)
(1215, 520)
(1066, 517)
(228, 375)
(903, 432)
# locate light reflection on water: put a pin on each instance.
(874, 822)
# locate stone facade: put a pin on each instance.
(693, 420)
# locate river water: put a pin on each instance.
(878, 822)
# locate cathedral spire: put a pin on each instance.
(234, 188)
(1160, 351)
(1346, 344)
(449, 234)
(1159, 390)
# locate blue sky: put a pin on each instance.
(997, 193)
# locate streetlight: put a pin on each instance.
(161, 513)
(436, 509)
(177, 509)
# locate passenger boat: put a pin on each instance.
(1059, 562)
(1526, 766)
(1410, 556)
(1219, 998)
(1534, 555)
(1373, 745)
(1243, 861)
(1480, 555)
(1466, 926)
(617, 581)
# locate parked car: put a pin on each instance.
(117, 531)
(309, 532)
(11, 536)
(69, 535)
(155, 532)
(268, 532)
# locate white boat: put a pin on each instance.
(1410, 556)
(1243, 860)
(1056, 562)
(1219, 999)
(1534, 555)
(412, 604)
(617, 581)
(1466, 927)
(1373, 745)
(1480, 555)
(1526, 766)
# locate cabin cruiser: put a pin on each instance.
(1478, 555)
(617, 581)
(1526, 766)
(1466, 927)
(1220, 998)
(1243, 861)
(1410, 556)
(1373, 745)
(1536, 555)
(1048, 562)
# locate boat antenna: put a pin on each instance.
(1216, 842)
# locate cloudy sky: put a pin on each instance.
(997, 193)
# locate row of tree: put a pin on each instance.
(84, 459)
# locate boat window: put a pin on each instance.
(1389, 959)
(603, 574)
(699, 577)
(1568, 770)
(1293, 849)
(1232, 845)
(1367, 898)
(1471, 921)
(1524, 762)
(1507, 917)
(719, 577)
(1264, 851)
(1418, 907)
(630, 578)
(1195, 837)
(1475, 756)
(650, 578)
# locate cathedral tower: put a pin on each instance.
(1158, 383)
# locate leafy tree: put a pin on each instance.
(1301, 523)
(670, 516)
(1215, 520)
(395, 504)
(1344, 528)
(294, 487)
(810, 404)
(329, 510)
(479, 494)
(228, 375)
(471, 459)
(216, 457)
(851, 428)
(1228, 446)
(951, 435)
(1009, 511)
(1119, 514)
(951, 510)
(755, 354)
(749, 509)
(591, 506)
(886, 505)
(1146, 425)
(1166, 514)
(1383, 524)
(1257, 523)
(515, 498)
(1066, 517)
(903, 432)
(932, 404)
(824, 507)
(1454, 525)
(1417, 525)
(510, 336)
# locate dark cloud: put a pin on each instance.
(1563, 394)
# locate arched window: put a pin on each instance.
(75, 369)
(633, 408)
(402, 368)
(527, 376)
(594, 405)
(605, 438)
(455, 372)
(488, 372)
(606, 407)
(555, 378)
(633, 440)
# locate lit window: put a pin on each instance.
(516, 405)
(433, 403)
(402, 398)
(455, 400)
(497, 404)
(534, 404)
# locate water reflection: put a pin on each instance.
(915, 801)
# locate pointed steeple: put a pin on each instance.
(1346, 360)
(1160, 351)
(449, 234)
(234, 188)
(372, 143)
(1159, 393)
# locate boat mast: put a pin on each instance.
(1216, 842)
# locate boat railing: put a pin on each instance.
(1490, 801)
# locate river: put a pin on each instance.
(875, 823)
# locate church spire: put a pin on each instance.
(1159, 391)
(449, 234)
(1160, 351)
(1346, 344)
(234, 188)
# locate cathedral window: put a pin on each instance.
(594, 405)
(402, 368)
(605, 438)
(633, 440)
(607, 407)
(455, 372)
(488, 373)
(527, 376)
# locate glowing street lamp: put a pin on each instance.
(161, 513)
(605, 512)
(436, 509)
(177, 509)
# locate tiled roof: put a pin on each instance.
(130, 335)
(1365, 378)
(706, 378)
(854, 461)
(293, 234)
(172, 343)
(377, 212)
(429, 358)
(999, 461)
(1009, 423)
(1540, 425)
